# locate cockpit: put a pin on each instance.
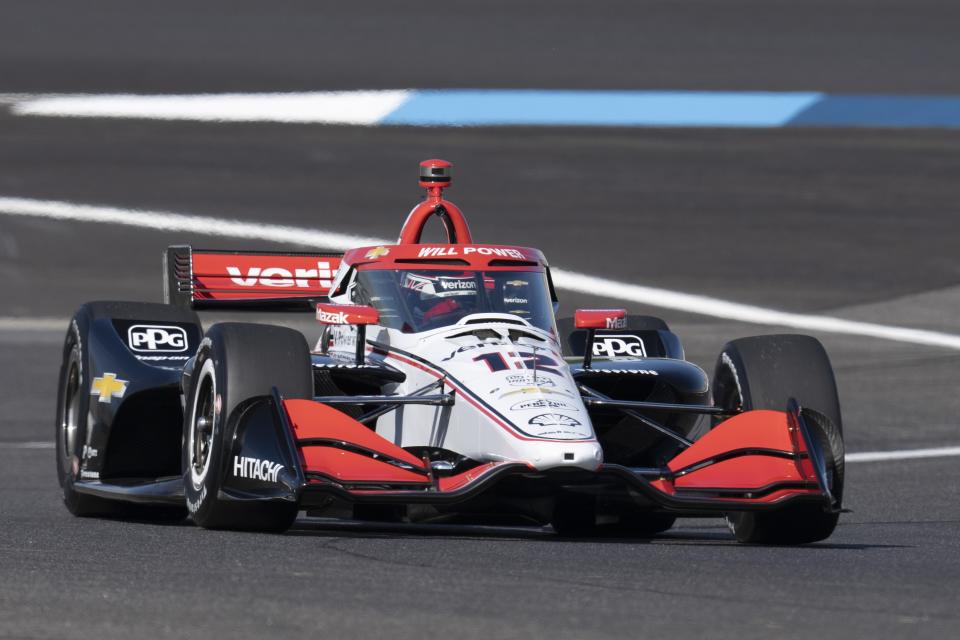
(423, 299)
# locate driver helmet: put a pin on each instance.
(431, 294)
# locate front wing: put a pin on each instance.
(757, 460)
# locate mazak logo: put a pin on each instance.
(149, 338)
(319, 278)
(327, 317)
(256, 469)
(540, 403)
(616, 323)
(613, 346)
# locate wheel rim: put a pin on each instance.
(70, 419)
(202, 424)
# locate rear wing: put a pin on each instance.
(257, 280)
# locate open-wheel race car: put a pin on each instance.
(441, 387)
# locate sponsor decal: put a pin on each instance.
(89, 452)
(616, 323)
(557, 426)
(319, 278)
(638, 372)
(541, 390)
(553, 420)
(540, 403)
(89, 475)
(151, 338)
(377, 252)
(431, 252)
(256, 469)
(108, 387)
(160, 358)
(612, 346)
(458, 284)
(527, 379)
(441, 286)
(327, 317)
(515, 301)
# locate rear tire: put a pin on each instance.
(236, 362)
(73, 410)
(764, 372)
(73, 405)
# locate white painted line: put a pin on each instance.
(563, 279)
(903, 454)
(716, 308)
(324, 107)
(27, 445)
(167, 221)
(34, 324)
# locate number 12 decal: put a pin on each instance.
(519, 360)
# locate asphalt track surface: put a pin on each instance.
(858, 224)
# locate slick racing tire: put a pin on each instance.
(73, 407)
(763, 372)
(236, 362)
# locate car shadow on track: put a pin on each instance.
(718, 536)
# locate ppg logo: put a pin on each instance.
(611, 346)
(150, 338)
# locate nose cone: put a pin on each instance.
(541, 404)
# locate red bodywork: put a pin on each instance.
(346, 314)
(600, 319)
(753, 460)
(246, 276)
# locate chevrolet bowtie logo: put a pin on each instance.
(373, 254)
(108, 387)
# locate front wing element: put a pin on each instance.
(756, 460)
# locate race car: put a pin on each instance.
(440, 387)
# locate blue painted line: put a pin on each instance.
(599, 108)
(881, 111)
(469, 107)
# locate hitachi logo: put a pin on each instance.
(256, 469)
(319, 278)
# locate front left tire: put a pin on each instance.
(236, 362)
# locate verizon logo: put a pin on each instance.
(319, 278)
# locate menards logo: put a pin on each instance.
(319, 278)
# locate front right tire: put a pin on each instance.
(764, 372)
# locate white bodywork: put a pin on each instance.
(515, 397)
